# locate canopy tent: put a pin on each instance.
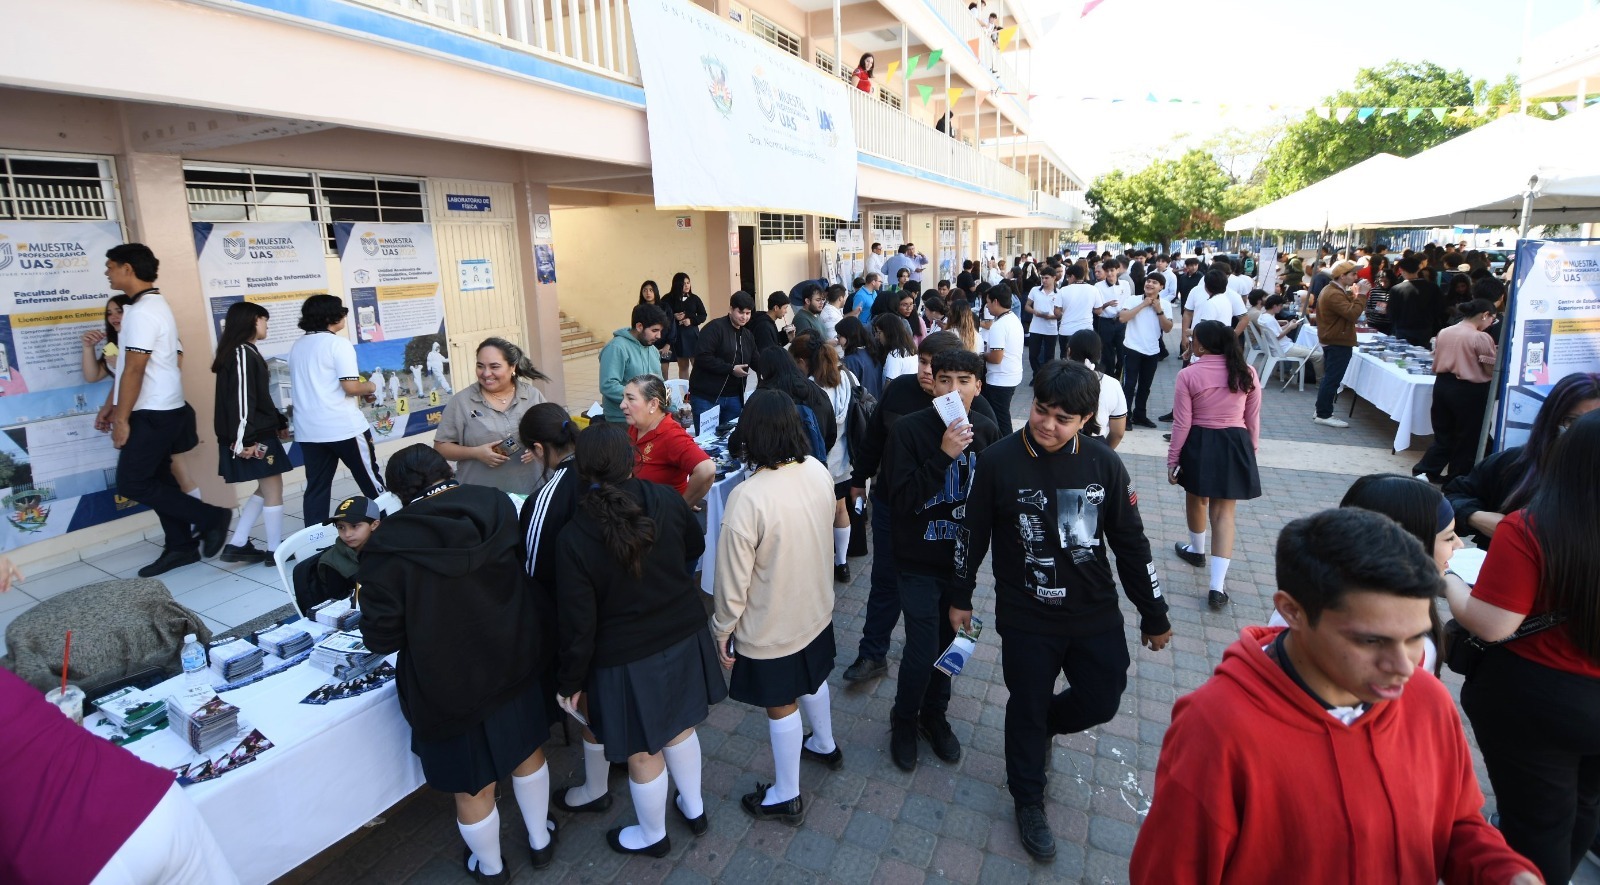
(1331, 204)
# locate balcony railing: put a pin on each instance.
(956, 14)
(1041, 203)
(594, 34)
(885, 132)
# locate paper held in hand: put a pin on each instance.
(950, 408)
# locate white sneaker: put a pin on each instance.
(1331, 422)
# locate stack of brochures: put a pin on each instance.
(336, 613)
(344, 655)
(285, 641)
(235, 659)
(213, 722)
(131, 709)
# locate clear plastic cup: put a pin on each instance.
(69, 702)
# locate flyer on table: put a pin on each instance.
(57, 472)
(1553, 327)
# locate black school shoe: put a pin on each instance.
(866, 668)
(1143, 422)
(841, 573)
(247, 553)
(543, 856)
(834, 760)
(660, 849)
(943, 740)
(1217, 599)
(559, 800)
(1167, 418)
(697, 825)
(168, 561)
(903, 743)
(792, 812)
(478, 875)
(1189, 556)
(1034, 829)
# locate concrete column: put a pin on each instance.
(722, 263)
(540, 300)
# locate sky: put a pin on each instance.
(1256, 51)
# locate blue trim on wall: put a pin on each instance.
(874, 160)
(376, 23)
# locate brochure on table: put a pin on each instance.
(1552, 329)
(57, 472)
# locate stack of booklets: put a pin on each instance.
(132, 709)
(336, 613)
(213, 722)
(235, 659)
(285, 641)
(345, 655)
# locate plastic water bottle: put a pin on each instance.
(194, 664)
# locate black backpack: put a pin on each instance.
(857, 415)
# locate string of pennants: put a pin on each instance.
(1359, 114)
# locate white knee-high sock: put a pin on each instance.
(785, 734)
(249, 511)
(595, 771)
(818, 710)
(272, 521)
(1197, 542)
(533, 797)
(483, 838)
(1219, 572)
(683, 761)
(194, 492)
(650, 805)
(841, 545)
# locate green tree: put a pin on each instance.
(1313, 148)
(1161, 202)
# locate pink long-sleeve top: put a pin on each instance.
(1204, 400)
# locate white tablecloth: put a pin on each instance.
(1406, 398)
(716, 500)
(331, 769)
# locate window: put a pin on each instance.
(57, 187)
(774, 33)
(228, 193)
(828, 228)
(780, 228)
(892, 99)
(825, 62)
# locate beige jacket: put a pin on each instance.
(774, 561)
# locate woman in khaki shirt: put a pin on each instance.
(478, 430)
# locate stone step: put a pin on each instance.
(579, 351)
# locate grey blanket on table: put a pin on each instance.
(118, 628)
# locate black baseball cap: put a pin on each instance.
(356, 509)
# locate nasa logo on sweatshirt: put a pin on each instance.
(1095, 494)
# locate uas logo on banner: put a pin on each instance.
(771, 133)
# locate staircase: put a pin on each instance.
(576, 341)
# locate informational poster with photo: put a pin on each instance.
(1552, 329)
(57, 470)
(397, 322)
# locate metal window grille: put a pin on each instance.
(825, 62)
(828, 228)
(256, 193)
(892, 99)
(774, 33)
(57, 187)
(781, 228)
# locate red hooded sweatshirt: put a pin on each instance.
(1258, 783)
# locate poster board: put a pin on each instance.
(1267, 269)
(57, 471)
(1552, 329)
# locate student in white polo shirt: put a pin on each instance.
(1078, 300)
(1002, 352)
(327, 418)
(1044, 309)
(151, 422)
(1146, 321)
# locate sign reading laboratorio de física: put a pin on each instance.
(57, 472)
(1552, 329)
(397, 319)
(736, 124)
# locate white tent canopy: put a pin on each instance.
(1333, 203)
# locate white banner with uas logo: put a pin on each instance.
(1554, 329)
(736, 124)
(276, 264)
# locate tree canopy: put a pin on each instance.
(1161, 202)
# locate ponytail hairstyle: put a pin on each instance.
(238, 329)
(605, 460)
(548, 424)
(414, 470)
(821, 361)
(521, 366)
(1217, 338)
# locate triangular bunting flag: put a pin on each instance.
(1461, 110)
(1592, 100)
(1049, 22)
(1150, 97)
(1032, 96)
(953, 95)
(1549, 107)
(1481, 110)
(1570, 106)
(1089, 6)
(1363, 114)
(889, 75)
(933, 58)
(1006, 36)
(1324, 113)
(973, 45)
(1343, 114)
(1412, 114)
(1438, 113)
(911, 66)
(926, 92)
(1389, 112)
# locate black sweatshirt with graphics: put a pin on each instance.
(1051, 517)
(927, 489)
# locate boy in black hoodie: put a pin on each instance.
(1054, 500)
(927, 470)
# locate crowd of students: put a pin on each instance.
(586, 601)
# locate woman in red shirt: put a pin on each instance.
(667, 454)
(863, 73)
(1534, 702)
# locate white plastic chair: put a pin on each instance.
(1274, 362)
(1253, 346)
(305, 542)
